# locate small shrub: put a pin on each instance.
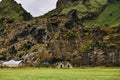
(86, 46)
(1, 29)
(71, 35)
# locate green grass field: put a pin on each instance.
(60, 74)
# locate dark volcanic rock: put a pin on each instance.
(38, 34)
(12, 50)
(28, 45)
(13, 40)
(23, 33)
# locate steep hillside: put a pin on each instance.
(83, 32)
(10, 10)
(108, 17)
(92, 12)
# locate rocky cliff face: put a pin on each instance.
(64, 36)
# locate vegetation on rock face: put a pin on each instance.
(83, 32)
(86, 46)
(71, 35)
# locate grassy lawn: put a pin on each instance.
(60, 74)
